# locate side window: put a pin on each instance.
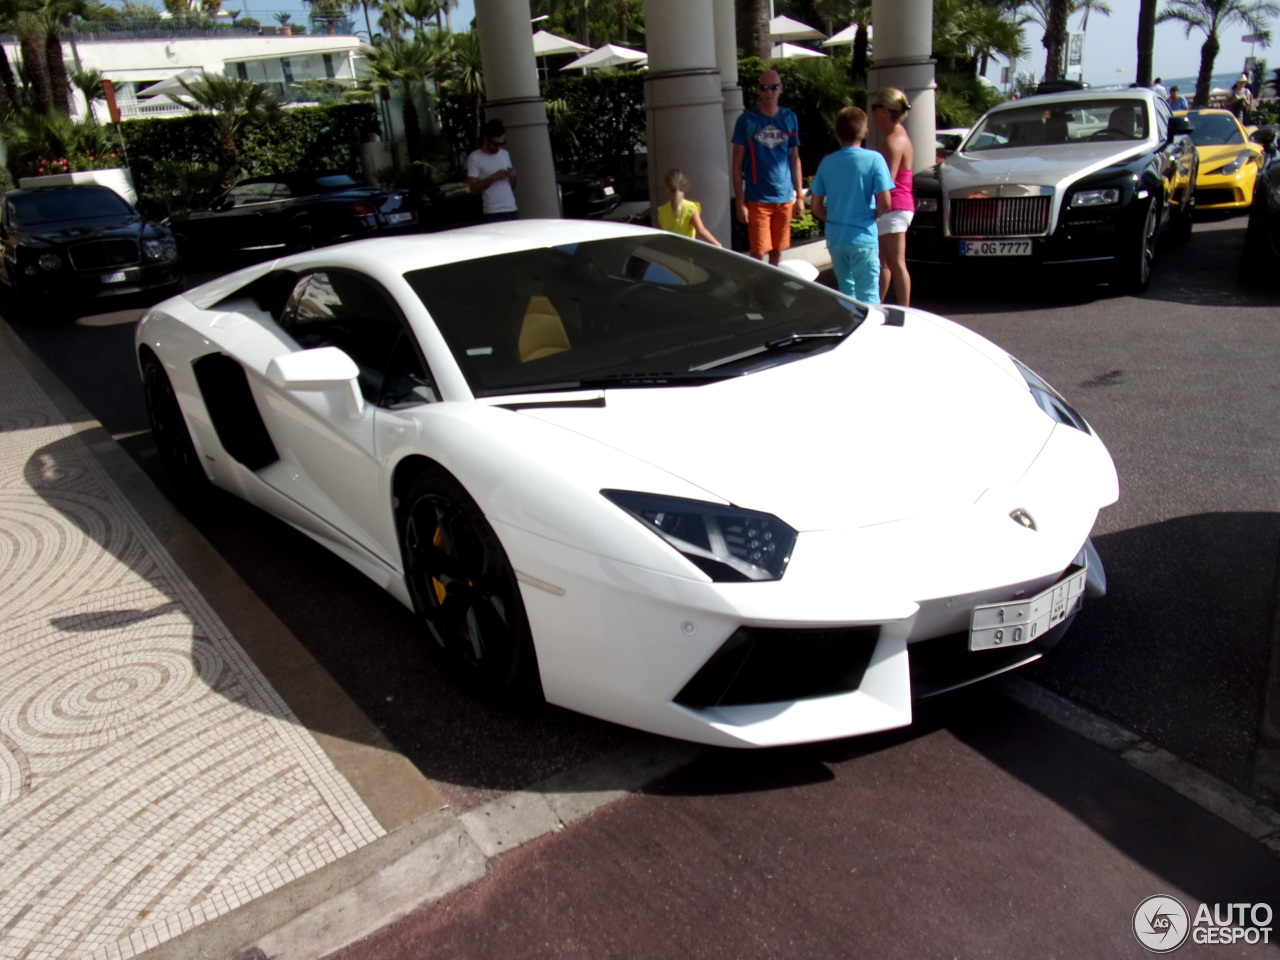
(253, 193)
(1162, 120)
(335, 309)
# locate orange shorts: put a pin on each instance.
(769, 226)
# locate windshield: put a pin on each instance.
(1082, 121)
(43, 207)
(1211, 129)
(643, 310)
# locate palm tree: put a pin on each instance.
(233, 103)
(1146, 40)
(967, 34)
(1212, 17)
(1052, 16)
(463, 73)
(89, 83)
(403, 64)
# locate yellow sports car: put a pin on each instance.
(1229, 163)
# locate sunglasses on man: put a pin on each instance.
(770, 86)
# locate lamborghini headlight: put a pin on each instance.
(1234, 166)
(729, 544)
(1050, 400)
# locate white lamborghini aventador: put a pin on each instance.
(651, 480)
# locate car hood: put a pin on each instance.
(1045, 166)
(131, 228)
(1223, 152)
(896, 422)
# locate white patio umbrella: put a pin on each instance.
(845, 36)
(784, 28)
(793, 51)
(610, 55)
(172, 85)
(549, 45)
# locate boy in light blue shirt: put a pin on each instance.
(850, 189)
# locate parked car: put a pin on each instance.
(295, 211)
(1083, 180)
(64, 244)
(587, 195)
(1261, 260)
(586, 455)
(1229, 160)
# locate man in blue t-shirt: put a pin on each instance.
(767, 187)
(850, 189)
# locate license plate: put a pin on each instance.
(995, 625)
(399, 217)
(117, 277)
(608, 191)
(995, 248)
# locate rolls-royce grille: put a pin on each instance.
(1000, 217)
(104, 254)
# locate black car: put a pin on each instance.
(295, 211)
(1084, 180)
(1261, 261)
(63, 244)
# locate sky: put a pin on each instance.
(1110, 42)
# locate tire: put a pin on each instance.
(1133, 267)
(173, 441)
(465, 592)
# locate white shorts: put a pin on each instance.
(895, 221)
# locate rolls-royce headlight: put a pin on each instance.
(1234, 166)
(1050, 400)
(50, 261)
(727, 543)
(926, 204)
(1095, 198)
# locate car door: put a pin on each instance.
(329, 460)
(238, 219)
(1177, 160)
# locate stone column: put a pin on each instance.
(727, 61)
(904, 41)
(684, 107)
(512, 96)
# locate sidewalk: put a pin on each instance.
(151, 777)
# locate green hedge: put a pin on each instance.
(305, 138)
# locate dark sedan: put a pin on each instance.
(79, 242)
(295, 211)
(1084, 181)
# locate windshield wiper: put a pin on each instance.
(781, 343)
(665, 379)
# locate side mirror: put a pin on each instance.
(1179, 126)
(1265, 136)
(324, 369)
(800, 268)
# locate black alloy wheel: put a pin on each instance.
(465, 591)
(173, 441)
(1133, 267)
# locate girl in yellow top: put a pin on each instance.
(679, 215)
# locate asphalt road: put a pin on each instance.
(1180, 384)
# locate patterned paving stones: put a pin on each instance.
(150, 777)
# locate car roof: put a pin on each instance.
(1074, 96)
(308, 176)
(416, 251)
(63, 188)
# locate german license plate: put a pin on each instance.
(995, 248)
(399, 217)
(117, 277)
(995, 625)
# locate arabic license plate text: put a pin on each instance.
(995, 625)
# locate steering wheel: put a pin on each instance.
(1111, 133)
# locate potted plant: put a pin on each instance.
(49, 149)
(286, 28)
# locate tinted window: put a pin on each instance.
(1033, 125)
(58, 206)
(256, 192)
(337, 181)
(624, 308)
(334, 309)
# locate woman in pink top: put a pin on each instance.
(887, 110)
